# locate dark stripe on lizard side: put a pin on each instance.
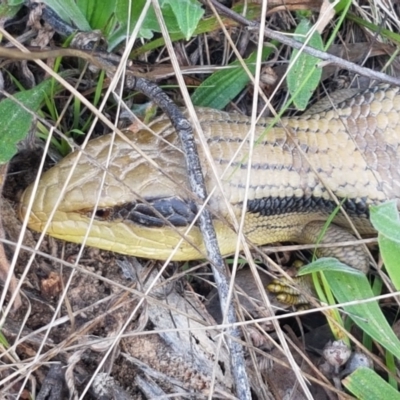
(269, 206)
(181, 213)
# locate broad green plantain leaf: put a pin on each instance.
(16, 121)
(304, 75)
(223, 86)
(8, 11)
(390, 252)
(150, 23)
(355, 286)
(385, 219)
(366, 384)
(188, 14)
(206, 25)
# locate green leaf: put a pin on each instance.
(368, 316)
(328, 264)
(206, 25)
(223, 86)
(150, 24)
(391, 365)
(390, 252)
(3, 341)
(385, 219)
(69, 12)
(98, 13)
(13, 3)
(8, 11)
(304, 75)
(366, 384)
(122, 15)
(384, 33)
(188, 14)
(342, 5)
(16, 126)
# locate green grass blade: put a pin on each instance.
(366, 384)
